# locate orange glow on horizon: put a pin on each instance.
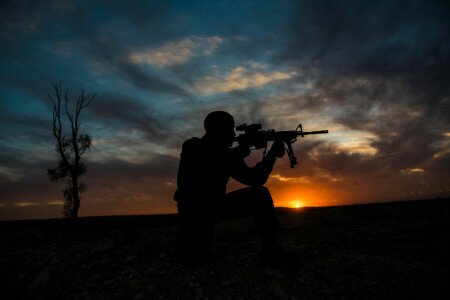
(296, 203)
(298, 198)
(292, 198)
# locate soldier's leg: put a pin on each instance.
(255, 201)
(194, 235)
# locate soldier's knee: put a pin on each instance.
(262, 190)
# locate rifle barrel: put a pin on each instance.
(312, 132)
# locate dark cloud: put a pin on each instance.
(129, 112)
(158, 168)
(106, 37)
(384, 66)
(403, 43)
(380, 37)
(32, 128)
(125, 113)
(110, 47)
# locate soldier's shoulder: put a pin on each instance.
(192, 143)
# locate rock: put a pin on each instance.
(275, 273)
(278, 291)
(85, 294)
(110, 281)
(102, 246)
(42, 279)
(131, 258)
(226, 283)
(198, 293)
(96, 277)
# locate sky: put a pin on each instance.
(376, 74)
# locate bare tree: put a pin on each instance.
(71, 148)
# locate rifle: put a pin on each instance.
(254, 136)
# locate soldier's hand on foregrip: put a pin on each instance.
(277, 149)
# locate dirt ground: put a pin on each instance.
(379, 251)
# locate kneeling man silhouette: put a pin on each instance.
(205, 167)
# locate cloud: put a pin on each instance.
(11, 173)
(413, 171)
(24, 204)
(239, 78)
(177, 53)
(134, 122)
(289, 179)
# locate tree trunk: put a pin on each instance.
(76, 206)
(76, 198)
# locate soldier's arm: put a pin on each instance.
(258, 174)
(254, 176)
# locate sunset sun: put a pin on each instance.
(296, 204)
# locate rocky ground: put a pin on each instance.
(383, 251)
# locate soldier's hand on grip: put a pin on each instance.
(242, 150)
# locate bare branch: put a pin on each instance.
(90, 99)
(66, 98)
(57, 126)
(53, 101)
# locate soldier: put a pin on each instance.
(205, 167)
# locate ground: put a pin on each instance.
(378, 251)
